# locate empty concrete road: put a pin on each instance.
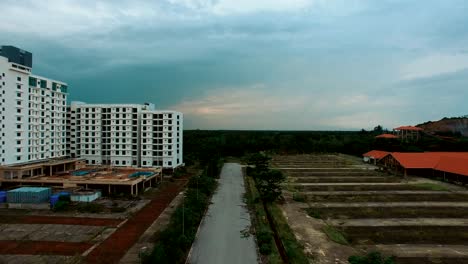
(220, 239)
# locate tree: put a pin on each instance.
(260, 162)
(269, 184)
(378, 129)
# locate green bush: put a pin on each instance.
(172, 244)
(264, 236)
(61, 206)
(265, 249)
(64, 198)
(314, 213)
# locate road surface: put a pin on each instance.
(221, 238)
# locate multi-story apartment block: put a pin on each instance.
(161, 138)
(36, 124)
(32, 111)
(125, 135)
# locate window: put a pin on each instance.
(18, 79)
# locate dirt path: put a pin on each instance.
(42, 248)
(115, 247)
(59, 220)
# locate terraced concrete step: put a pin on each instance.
(348, 184)
(381, 192)
(379, 222)
(387, 204)
(423, 250)
(330, 169)
(363, 179)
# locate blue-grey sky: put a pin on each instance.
(255, 64)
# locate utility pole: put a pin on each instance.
(183, 214)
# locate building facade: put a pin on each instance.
(32, 112)
(127, 135)
(36, 123)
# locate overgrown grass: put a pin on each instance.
(314, 213)
(431, 186)
(335, 235)
(263, 232)
(294, 250)
(299, 197)
(174, 242)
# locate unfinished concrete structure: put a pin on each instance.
(69, 173)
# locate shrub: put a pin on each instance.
(264, 236)
(314, 214)
(65, 198)
(61, 206)
(265, 249)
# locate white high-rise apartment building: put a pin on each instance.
(36, 124)
(32, 111)
(127, 135)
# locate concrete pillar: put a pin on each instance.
(109, 189)
(131, 187)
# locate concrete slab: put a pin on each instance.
(220, 239)
(399, 222)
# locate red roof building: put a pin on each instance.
(428, 163)
(387, 136)
(408, 128)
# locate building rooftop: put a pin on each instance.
(30, 189)
(376, 154)
(452, 162)
(387, 136)
(409, 128)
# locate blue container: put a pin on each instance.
(63, 194)
(141, 173)
(54, 199)
(29, 195)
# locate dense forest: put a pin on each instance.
(206, 145)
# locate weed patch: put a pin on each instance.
(335, 235)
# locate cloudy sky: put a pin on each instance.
(255, 64)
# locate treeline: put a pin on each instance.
(204, 145)
(174, 242)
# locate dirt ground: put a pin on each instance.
(115, 246)
(418, 220)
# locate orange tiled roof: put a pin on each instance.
(376, 154)
(455, 162)
(412, 128)
(386, 136)
(457, 165)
